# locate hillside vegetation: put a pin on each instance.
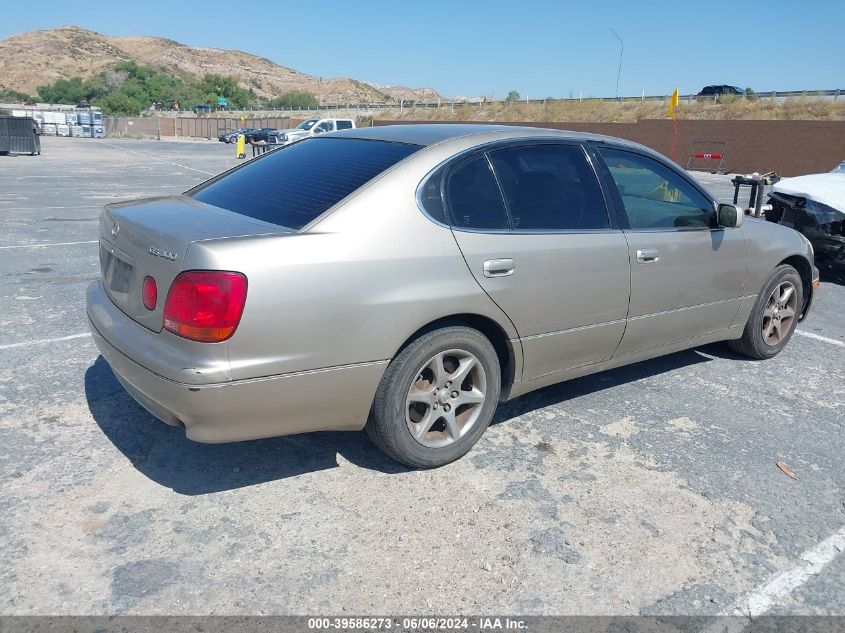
(129, 88)
(42, 57)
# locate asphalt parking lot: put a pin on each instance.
(650, 489)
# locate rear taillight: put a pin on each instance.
(149, 293)
(205, 305)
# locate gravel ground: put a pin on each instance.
(650, 489)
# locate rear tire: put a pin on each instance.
(774, 315)
(436, 398)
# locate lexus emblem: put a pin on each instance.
(115, 229)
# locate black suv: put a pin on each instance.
(710, 91)
(265, 134)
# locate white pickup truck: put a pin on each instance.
(312, 127)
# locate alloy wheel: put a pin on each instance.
(446, 398)
(779, 313)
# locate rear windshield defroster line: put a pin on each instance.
(293, 185)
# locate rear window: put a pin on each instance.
(292, 186)
(344, 125)
(550, 186)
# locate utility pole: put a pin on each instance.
(621, 50)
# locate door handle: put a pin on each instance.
(498, 267)
(648, 255)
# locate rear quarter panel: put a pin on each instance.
(350, 290)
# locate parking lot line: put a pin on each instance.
(45, 341)
(758, 602)
(82, 206)
(3, 248)
(819, 337)
(161, 160)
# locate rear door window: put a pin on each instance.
(473, 198)
(550, 186)
(292, 186)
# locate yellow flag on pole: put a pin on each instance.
(673, 103)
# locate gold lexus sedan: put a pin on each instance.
(405, 279)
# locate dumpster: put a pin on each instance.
(19, 135)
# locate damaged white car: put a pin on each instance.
(814, 205)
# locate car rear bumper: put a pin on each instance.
(336, 398)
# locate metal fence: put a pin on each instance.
(212, 127)
(187, 127)
(357, 108)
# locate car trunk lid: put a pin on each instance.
(150, 238)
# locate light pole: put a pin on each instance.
(621, 50)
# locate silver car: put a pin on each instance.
(406, 279)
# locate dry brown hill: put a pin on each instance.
(40, 57)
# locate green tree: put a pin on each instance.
(513, 95)
(121, 103)
(128, 88)
(63, 91)
(214, 86)
(13, 96)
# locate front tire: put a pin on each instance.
(774, 315)
(436, 398)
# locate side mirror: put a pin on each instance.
(729, 216)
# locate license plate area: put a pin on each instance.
(118, 273)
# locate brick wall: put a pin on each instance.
(790, 148)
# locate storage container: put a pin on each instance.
(62, 129)
(54, 117)
(19, 135)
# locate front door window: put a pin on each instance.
(654, 196)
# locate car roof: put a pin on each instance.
(434, 133)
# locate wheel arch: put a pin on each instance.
(805, 271)
(510, 355)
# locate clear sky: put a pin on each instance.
(541, 48)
